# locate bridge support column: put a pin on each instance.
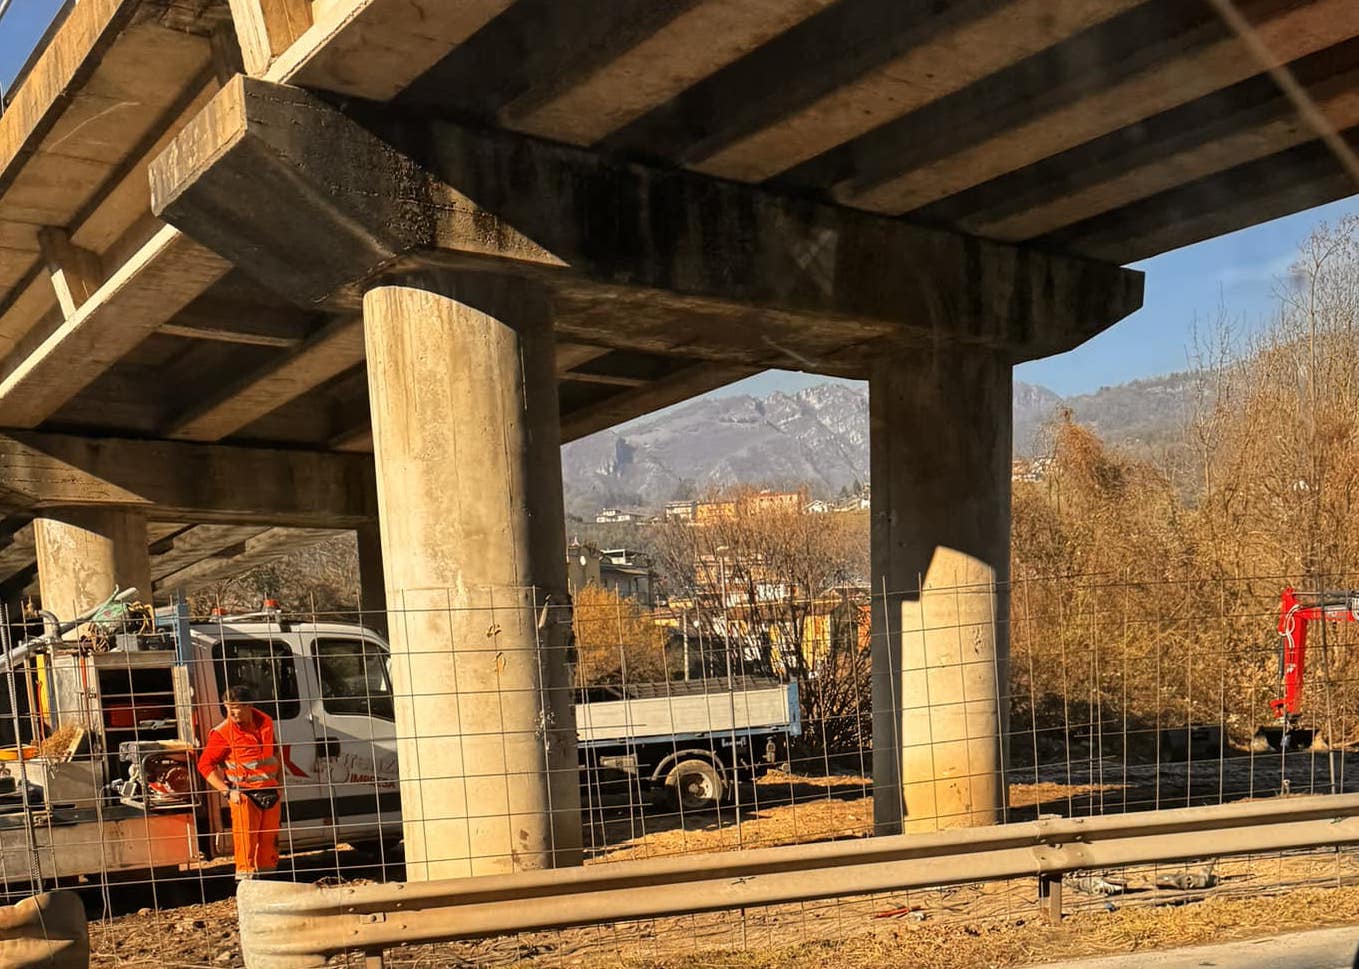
(940, 468)
(83, 553)
(467, 446)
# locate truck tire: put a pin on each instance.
(695, 785)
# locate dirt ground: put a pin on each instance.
(967, 926)
(976, 925)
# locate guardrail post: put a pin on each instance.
(1050, 897)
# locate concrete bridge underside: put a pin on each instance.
(270, 267)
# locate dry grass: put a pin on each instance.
(848, 934)
(1028, 941)
(982, 925)
(792, 809)
(61, 742)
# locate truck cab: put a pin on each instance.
(328, 688)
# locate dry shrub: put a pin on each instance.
(616, 642)
(1139, 602)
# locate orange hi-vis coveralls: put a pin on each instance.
(250, 759)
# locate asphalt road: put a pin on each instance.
(1319, 949)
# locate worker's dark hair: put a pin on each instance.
(236, 694)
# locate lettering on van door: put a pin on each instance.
(353, 767)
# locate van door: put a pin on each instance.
(355, 722)
(280, 685)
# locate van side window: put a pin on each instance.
(262, 667)
(354, 679)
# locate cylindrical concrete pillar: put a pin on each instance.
(466, 438)
(940, 465)
(84, 553)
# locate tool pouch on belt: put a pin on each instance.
(264, 798)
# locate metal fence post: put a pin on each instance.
(1050, 897)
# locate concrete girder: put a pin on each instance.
(187, 482)
(328, 353)
(197, 544)
(1202, 59)
(684, 263)
(266, 545)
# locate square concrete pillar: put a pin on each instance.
(85, 553)
(466, 439)
(940, 438)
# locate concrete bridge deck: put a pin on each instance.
(1106, 129)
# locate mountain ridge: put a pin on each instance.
(818, 437)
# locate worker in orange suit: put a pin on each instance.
(242, 761)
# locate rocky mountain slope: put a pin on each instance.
(817, 437)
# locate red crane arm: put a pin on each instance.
(1295, 614)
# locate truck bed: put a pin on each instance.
(688, 710)
(74, 842)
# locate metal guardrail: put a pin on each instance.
(289, 926)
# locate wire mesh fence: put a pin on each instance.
(443, 739)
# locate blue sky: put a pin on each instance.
(24, 22)
(1237, 273)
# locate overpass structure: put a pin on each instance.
(270, 267)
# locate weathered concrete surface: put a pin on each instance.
(682, 261)
(940, 469)
(187, 482)
(465, 437)
(85, 553)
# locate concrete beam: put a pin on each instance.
(196, 544)
(188, 482)
(1205, 59)
(333, 207)
(73, 56)
(266, 28)
(701, 38)
(256, 550)
(572, 355)
(75, 272)
(993, 36)
(163, 277)
(328, 353)
(1146, 169)
(373, 49)
(1270, 188)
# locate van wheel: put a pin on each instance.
(695, 785)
